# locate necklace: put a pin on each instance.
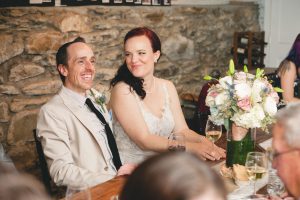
(150, 91)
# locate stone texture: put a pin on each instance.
(43, 42)
(1, 133)
(23, 71)
(23, 155)
(21, 126)
(42, 87)
(195, 39)
(105, 36)
(9, 89)
(73, 22)
(4, 112)
(10, 46)
(105, 74)
(179, 47)
(19, 104)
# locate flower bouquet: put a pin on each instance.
(242, 101)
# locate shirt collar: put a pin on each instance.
(78, 99)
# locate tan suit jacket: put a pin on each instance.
(74, 150)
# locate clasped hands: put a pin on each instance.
(207, 150)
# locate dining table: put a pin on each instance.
(113, 187)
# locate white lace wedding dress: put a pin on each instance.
(163, 126)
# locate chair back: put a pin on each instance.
(42, 162)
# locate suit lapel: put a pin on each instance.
(80, 115)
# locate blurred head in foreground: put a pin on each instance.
(286, 147)
(174, 176)
(16, 186)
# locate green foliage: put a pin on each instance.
(277, 89)
(231, 67)
(259, 73)
(245, 69)
(207, 78)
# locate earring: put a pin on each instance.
(155, 61)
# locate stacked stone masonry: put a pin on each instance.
(195, 39)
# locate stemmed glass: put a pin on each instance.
(275, 186)
(213, 132)
(176, 142)
(78, 192)
(256, 166)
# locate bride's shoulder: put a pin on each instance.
(167, 83)
(121, 86)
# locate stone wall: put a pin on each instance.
(195, 39)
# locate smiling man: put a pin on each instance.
(75, 130)
(286, 146)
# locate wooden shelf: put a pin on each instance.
(248, 49)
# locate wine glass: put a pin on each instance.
(256, 166)
(78, 192)
(213, 132)
(176, 142)
(114, 197)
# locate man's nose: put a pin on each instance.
(89, 65)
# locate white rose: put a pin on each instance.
(242, 90)
(209, 101)
(270, 106)
(221, 98)
(258, 112)
(257, 87)
(247, 120)
(225, 81)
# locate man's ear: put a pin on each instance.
(62, 69)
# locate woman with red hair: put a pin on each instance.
(146, 109)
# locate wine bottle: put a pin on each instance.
(254, 63)
(254, 53)
(245, 39)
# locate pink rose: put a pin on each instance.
(244, 103)
(213, 94)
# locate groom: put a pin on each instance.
(75, 130)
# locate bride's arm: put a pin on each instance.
(127, 112)
(198, 143)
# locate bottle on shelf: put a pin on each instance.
(245, 39)
(254, 62)
(254, 52)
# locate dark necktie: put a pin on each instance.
(111, 140)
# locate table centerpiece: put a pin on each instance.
(242, 102)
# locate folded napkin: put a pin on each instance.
(240, 173)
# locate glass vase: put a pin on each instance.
(240, 141)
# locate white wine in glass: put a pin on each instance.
(256, 166)
(213, 132)
(256, 172)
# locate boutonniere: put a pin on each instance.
(99, 98)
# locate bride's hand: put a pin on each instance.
(126, 169)
(205, 149)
